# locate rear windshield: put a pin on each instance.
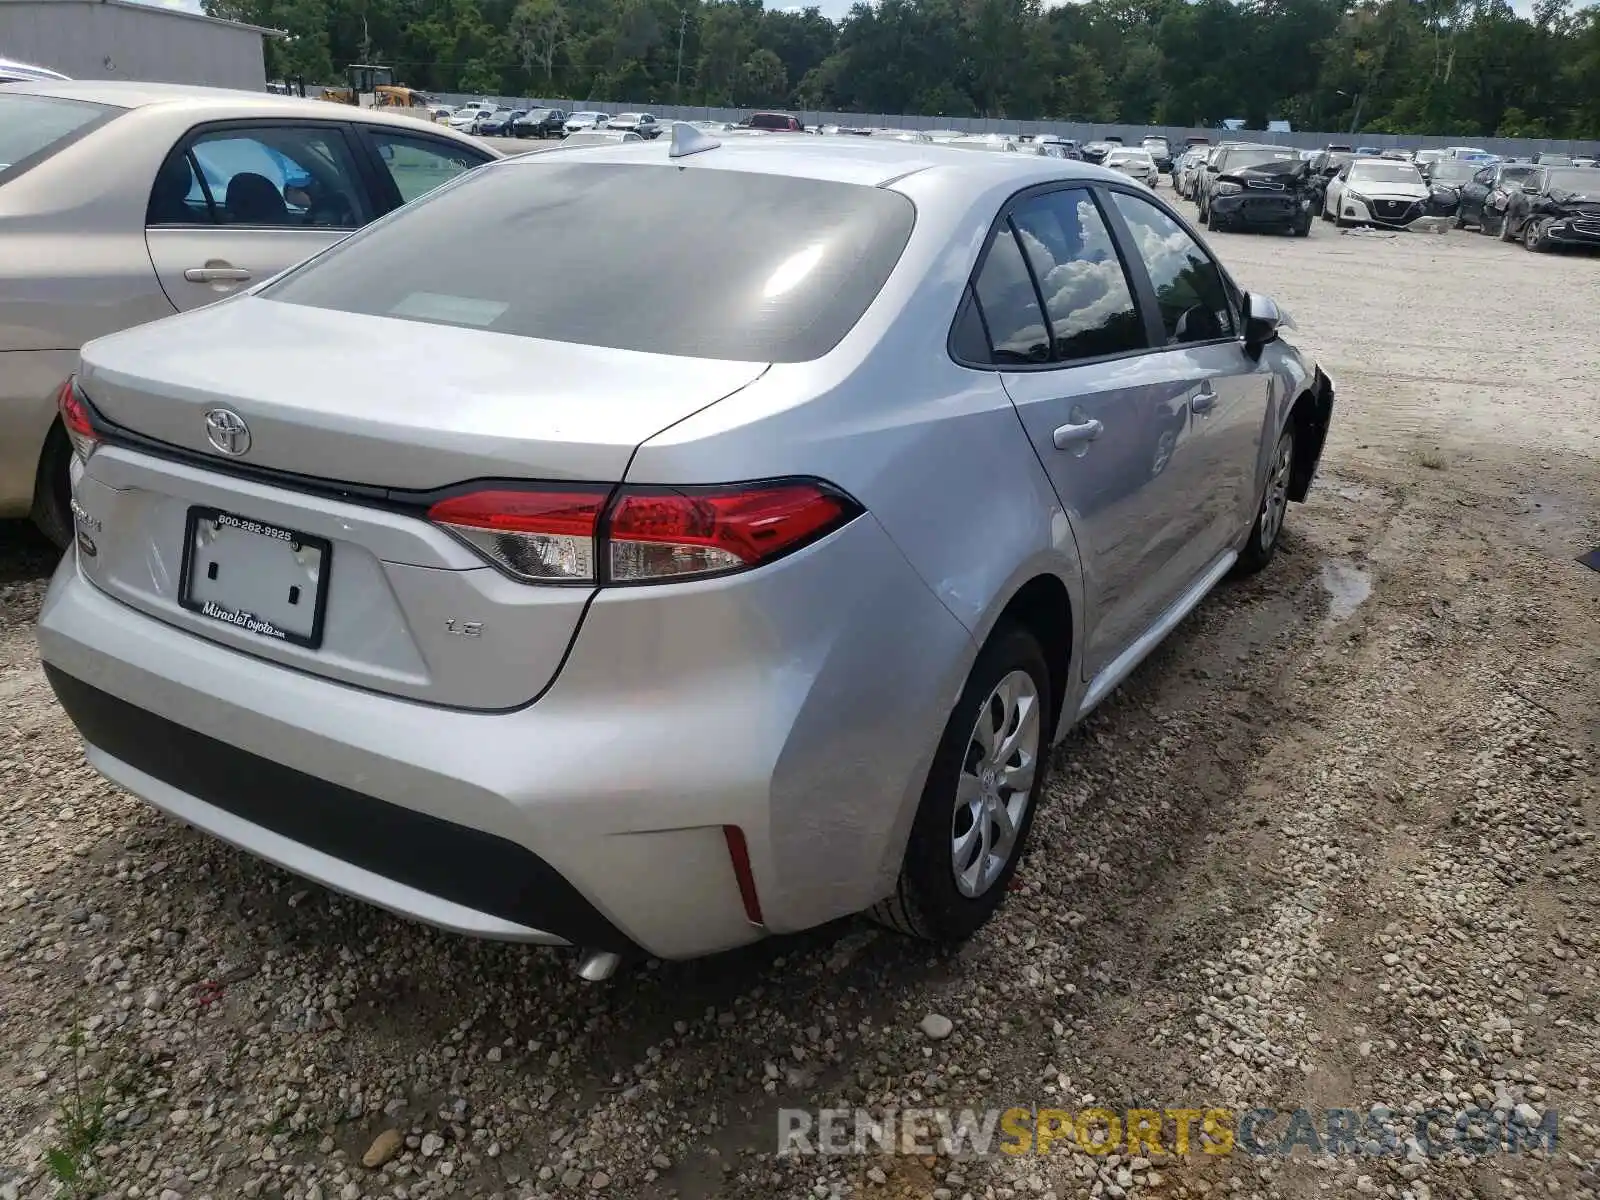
(1236, 159)
(691, 261)
(1384, 173)
(34, 127)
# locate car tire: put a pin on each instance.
(52, 488)
(1212, 223)
(957, 823)
(1485, 227)
(1505, 229)
(1267, 528)
(1533, 236)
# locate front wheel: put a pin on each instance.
(1262, 543)
(1533, 236)
(978, 803)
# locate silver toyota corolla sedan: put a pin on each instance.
(660, 594)
(124, 202)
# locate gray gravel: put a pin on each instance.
(1335, 846)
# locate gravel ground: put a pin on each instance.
(1333, 846)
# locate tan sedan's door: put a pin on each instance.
(239, 201)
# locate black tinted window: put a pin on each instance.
(1010, 304)
(720, 264)
(1190, 292)
(1086, 293)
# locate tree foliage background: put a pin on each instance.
(1466, 67)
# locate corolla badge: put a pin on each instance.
(227, 432)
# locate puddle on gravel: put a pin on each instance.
(1347, 586)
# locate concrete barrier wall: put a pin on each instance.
(1521, 147)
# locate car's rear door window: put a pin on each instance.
(683, 260)
(32, 128)
(1190, 293)
(294, 177)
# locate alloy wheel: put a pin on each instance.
(1277, 498)
(995, 783)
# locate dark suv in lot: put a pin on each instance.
(540, 123)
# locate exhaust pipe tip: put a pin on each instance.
(597, 966)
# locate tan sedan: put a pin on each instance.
(124, 202)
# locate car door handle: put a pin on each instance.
(217, 275)
(1203, 401)
(1072, 435)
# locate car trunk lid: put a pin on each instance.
(312, 546)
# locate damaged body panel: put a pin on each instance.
(1555, 206)
(1261, 189)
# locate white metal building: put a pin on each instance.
(119, 39)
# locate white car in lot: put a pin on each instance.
(1136, 164)
(580, 122)
(1380, 191)
(467, 115)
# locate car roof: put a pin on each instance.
(865, 161)
(227, 102)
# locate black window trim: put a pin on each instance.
(185, 145)
(1231, 290)
(383, 186)
(1143, 291)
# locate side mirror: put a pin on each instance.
(1262, 321)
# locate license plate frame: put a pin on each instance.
(241, 619)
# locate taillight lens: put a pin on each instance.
(75, 418)
(537, 534)
(566, 534)
(667, 533)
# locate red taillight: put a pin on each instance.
(566, 534)
(75, 418)
(739, 855)
(663, 533)
(537, 534)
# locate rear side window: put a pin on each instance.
(1010, 303)
(293, 177)
(689, 261)
(32, 128)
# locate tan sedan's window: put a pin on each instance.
(293, 177)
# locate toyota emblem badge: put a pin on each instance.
(227, 432)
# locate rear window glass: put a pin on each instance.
(34, 127)
(687, 261)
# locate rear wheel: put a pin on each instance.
(978, 803)
(1264, 533)
(52, 488)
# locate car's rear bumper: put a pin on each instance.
(800, 703)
